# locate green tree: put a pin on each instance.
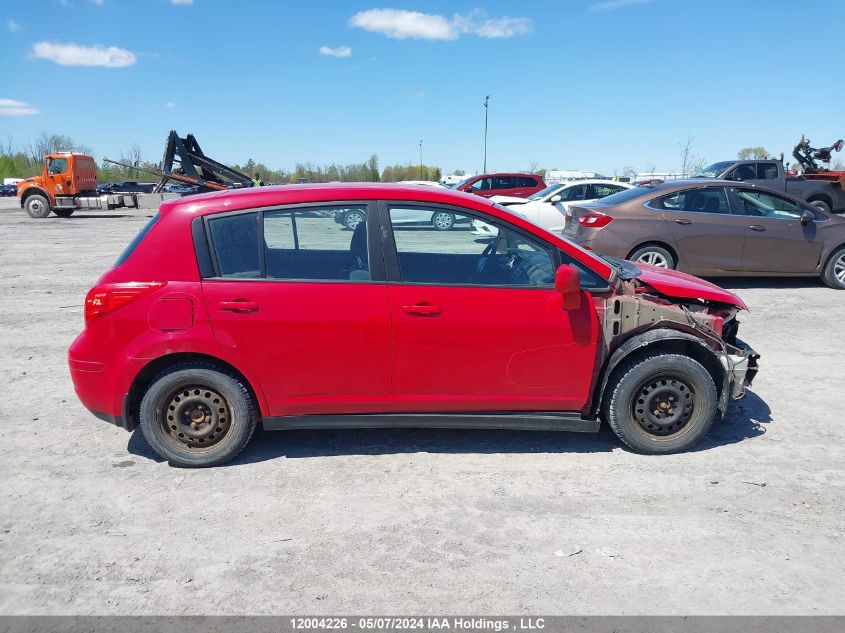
(751, 153)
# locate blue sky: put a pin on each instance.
(577, 84)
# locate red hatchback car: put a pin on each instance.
(489, 185)
(253, 306)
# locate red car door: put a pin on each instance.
(477, 326)
(296, 299)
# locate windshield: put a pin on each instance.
(545, 192)
(715, 170)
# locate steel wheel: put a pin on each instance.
(663, 406)
(352, 219)
(443, 221)
(195, 418)
(653, 258)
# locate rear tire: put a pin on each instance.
(834, 270)
(197, 414)
(654, 255)
(661, 403)
(37, 206)
(64, 213)
(352, 219)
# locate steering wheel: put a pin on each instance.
(483, 260)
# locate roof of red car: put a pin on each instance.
(255, 197)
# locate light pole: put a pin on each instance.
(486, 107)
(421, 163)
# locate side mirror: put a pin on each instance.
(555, 199)
(568, 284)
(807, 217)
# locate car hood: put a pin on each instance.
(683, 286)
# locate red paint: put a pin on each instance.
(337, 347)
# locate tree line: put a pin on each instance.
(28, 159)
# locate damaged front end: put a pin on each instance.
(638, 316)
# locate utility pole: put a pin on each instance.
(421, 163)
(486, 107)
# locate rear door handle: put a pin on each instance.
(422, 309)
(682, 221)
(239, 305)
(756, 227)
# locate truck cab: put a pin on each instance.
(64, 177)
(828, 194)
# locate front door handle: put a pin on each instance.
(756, 227)
(239, 305)
(422, 309)
(682, 221)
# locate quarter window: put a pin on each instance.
(490, 254)
(235, 242)
(696, 201)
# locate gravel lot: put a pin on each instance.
(398, 521)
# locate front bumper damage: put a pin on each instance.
(740, 364)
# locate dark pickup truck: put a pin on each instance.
(826, 194)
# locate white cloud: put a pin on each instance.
(401, 24)
(612, 5)
(478, 24)
(75, 55)
(182, 1)
(10, 107)
(13, 26)
(339, 51)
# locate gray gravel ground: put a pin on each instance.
(398, 521)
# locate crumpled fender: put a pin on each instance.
(650, 337)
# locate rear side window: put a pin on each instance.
(696, 201)
(527, 181)
(137, 240)
(234, 240)
(767, 171)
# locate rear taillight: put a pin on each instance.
(106, 298)
(594, 220)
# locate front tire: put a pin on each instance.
(821, 205)
(37, 206)
(661, 403)
(443, 221)
(834, 270)
(196, 415)
(654, 255)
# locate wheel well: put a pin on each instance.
(663, 245)
(153, 368)
(683, 347)
(820, 197)
(32, 191)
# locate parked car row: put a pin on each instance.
(714, 228)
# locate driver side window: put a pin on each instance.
(472, 253)
(57, 166)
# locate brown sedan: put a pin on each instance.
(713, 228)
